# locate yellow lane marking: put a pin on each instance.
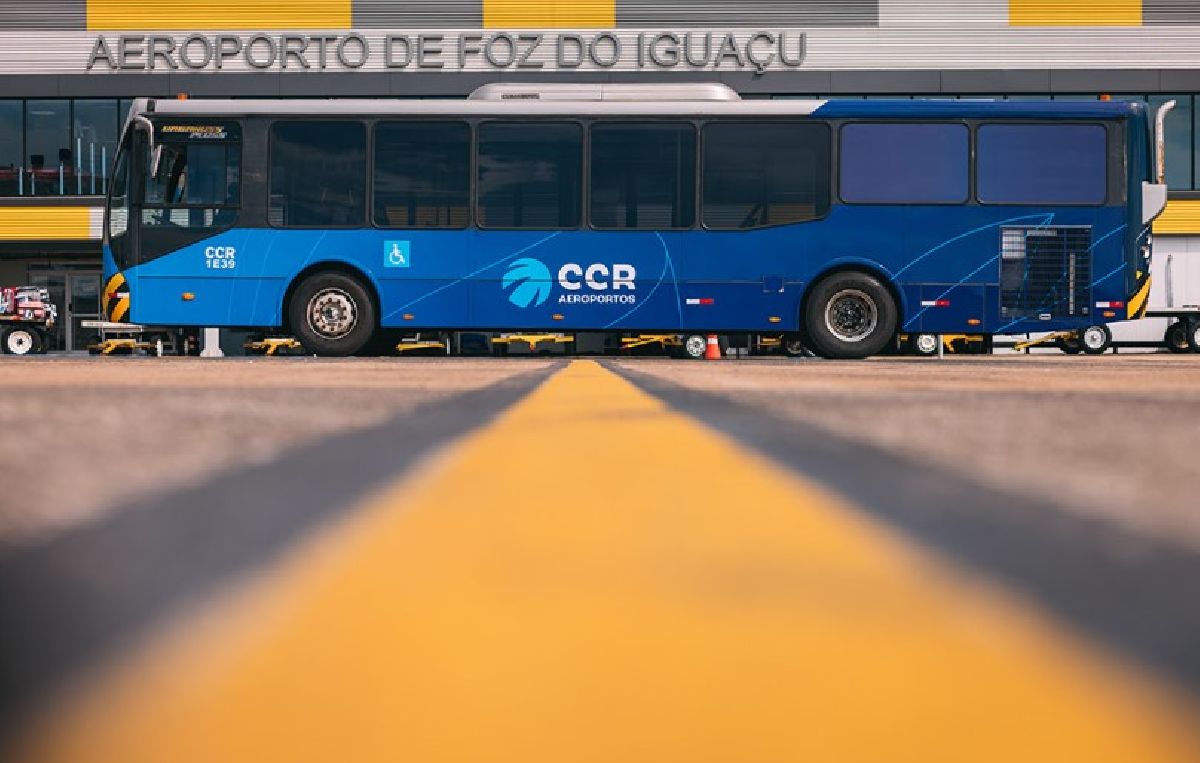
(32, 223)
(594, 577)
(1075, 12)
(549, 14)
(217, 14)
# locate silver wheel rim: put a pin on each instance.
(332, 313)
(794, 347)
(1093, 338)
(695, 345)
(927, 343)
(19, 342)
(1196, 336)
(851, 315)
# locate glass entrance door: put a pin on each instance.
(83, 288)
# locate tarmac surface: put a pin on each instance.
(610, 559)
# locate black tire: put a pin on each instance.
(1069, 345)
(1193, 335)
(332, 314)
(1176, 337)
(21, 340)
(690, 344)
(1095, 340)
(849, 315)
(923, 345)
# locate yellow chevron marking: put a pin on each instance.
(1180, 216)
(1075, 12)
(121, 310)
(113, 284)
(258, 15)
(592, 578)
(39, 223)
(1137, 303)
(549, 14)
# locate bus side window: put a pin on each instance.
(1042, 164)
(318, 174)
(764, 173)
(905, 163)
(643, 176)
(422, 175)
(530, 175)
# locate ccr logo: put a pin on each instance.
(529, 280)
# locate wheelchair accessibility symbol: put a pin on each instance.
(395, 254)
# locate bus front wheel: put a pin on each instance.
(850, 315)
(332, 314)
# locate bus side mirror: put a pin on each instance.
(155, 160)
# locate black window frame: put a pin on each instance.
(832, 153)
(1107, 126)
(695, 126)
(584, 170)
(472, 143)
(365, 123)
(970, 195)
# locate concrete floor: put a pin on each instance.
(87, 434)
(1116, 436)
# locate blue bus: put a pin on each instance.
(633, 208)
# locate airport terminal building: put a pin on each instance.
(69, 68)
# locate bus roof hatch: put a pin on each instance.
(511, 91)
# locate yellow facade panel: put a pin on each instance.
(549, 14)
(1075, 12)
(1181, 216)
(103, 15)
(41, 223)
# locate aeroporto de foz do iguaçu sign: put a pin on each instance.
(739, 50)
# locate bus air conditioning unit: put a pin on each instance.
(1045, 271)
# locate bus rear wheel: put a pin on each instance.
(850, 315)
(332, 314)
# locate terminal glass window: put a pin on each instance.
(764, 173)
(1042, 164)
(318, 174)
(530, 175)
(96, 132)
(11, 117)
(643, 176)
(422, 174)
(905, 163)
(1178, 136)
(49, 157)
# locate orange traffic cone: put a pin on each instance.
(712, 350)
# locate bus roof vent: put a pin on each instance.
(512, 91)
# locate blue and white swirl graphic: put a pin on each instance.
(529, 280)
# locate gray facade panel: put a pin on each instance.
(1171, 12)
(996, 81)
(47, 14)
(421, 14)
(1100, 81)
(885, 82)
(673, 14)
